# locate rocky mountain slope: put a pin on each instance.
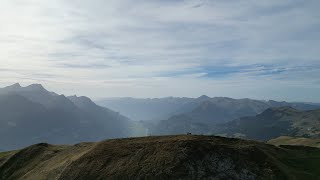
(167, 157)
(32, 114)
(275, 122)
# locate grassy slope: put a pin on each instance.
(301, 141)
(303, 163)
(4, 156)
(299, 162)
(165, 157)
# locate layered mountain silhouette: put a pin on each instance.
(210, 110)
(204, 115)
(271, 123)
(275, 122)
(32, 114)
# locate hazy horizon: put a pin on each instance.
(159, 89)
(119, 97)
(149, 49)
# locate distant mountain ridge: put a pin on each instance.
(271, 123)
(38, 94)
(164, 108)
(32, 114)
(275, 122)
(202, 115)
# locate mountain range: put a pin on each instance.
(275, 122)
(247, 118)
(32, 114)
(203, 108)
(271, 123)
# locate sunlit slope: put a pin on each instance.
(301, 141)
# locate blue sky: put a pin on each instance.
(147, 48)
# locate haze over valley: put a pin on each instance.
(33, 114)
(159, 89)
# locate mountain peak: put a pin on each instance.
(74, 96)
(35, 87)
(203, 97)
(13, 86)
(82, 98)
(81, 101)
(16, 85)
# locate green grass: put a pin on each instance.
(5, 155)
(304, 164)
(8, 153)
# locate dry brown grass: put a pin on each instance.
(165, 157)
(299, 141)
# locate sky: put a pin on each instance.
(146, 48)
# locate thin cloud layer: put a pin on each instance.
(264, 50)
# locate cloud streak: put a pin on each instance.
(161, 48)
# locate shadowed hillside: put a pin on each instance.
(31, 114)
(275, 122)
(166, 157)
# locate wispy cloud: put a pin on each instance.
(85, 66)
(182, 48)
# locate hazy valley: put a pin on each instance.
(32, 114)
(160, 89)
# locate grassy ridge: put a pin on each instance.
(4, 156)
(163, 157)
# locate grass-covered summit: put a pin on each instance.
(163, 157)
